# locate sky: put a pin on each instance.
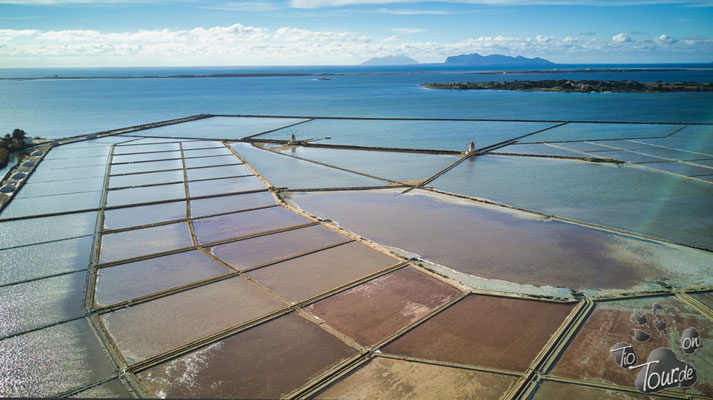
(100, 33)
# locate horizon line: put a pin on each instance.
(366, 66)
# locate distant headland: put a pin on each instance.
(585, 86)
(474, 59)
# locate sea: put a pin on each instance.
(99, 99)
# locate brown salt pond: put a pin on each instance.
(47, 362)
(384, 378)
(377, 309)
(495, 332)
(145, 241)
(494, 243)
(557, 390)
(229, 226)
(264, 362)
(307, 276)
(588, 356)
(157, 326)
(270, 248)
(132, 280)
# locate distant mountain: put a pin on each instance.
(390, 60)
(494, 59)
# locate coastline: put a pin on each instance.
(497, 71)
(583, 86)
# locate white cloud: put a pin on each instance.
(408, 31)
(239, 44)
(621, 38)
(664, 38)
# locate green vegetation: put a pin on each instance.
(585, 86)
(14, 141)
(11, 142)
(4, 156)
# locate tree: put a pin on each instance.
(19, 135)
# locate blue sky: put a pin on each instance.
(308, 32)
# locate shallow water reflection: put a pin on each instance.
(307, 276)
(389, 165)
(264, 249)
(31, 262)
(120, 197)
(38, 230)
(145, 179)
(575, 131)
(133, 280)
(283, 171)
(63, 187)
(632, 199)
(22, 207)
(221, 127)
(42, 302)
(228, 226)
(50, 361)
(228, 185)
(143, 215)
(151, 328)
(493, 243)
(217, 205)
(144, 241)
(441, 135)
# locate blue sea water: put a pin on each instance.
(57, 108)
